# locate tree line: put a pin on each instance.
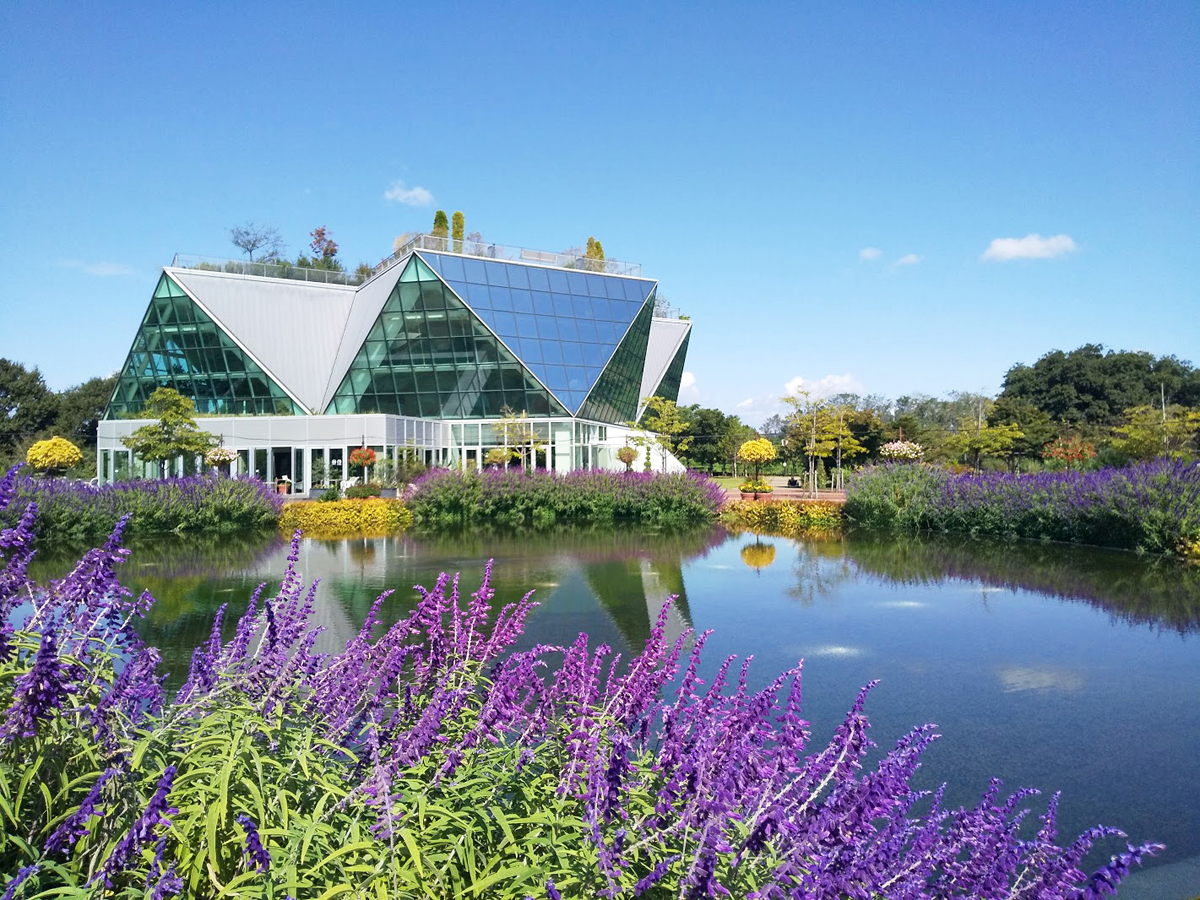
(30, 412)
(1084, 407)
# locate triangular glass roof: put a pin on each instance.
(428, 355)
(179, 346)
(563, 325)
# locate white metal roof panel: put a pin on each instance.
(368, 304)
(291, 328)
(666, 336)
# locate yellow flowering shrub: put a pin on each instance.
(53, 455)
(786, 517)
(756, 451)
(372, 515)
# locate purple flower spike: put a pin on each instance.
(142, 833)
(255, 851)
(40, 691)
(551, 891)
(22, 876)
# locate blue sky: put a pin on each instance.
(890, 198)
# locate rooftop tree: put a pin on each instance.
(458, 226)
(250, 237)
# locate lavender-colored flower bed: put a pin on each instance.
(1152, 506)
(435, 759)
(73, 512)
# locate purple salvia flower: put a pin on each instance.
(40, 691)
(75, 825)
(10, 892)
(157, 813)
(255, 852)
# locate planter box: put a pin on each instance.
(389, 493)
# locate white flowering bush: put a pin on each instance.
(902, 451)
(219, 456)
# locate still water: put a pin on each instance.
(1061, 668)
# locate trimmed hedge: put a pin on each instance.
(368, 516)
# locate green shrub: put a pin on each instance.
(362, 491)
(74, 513)
(519, 497)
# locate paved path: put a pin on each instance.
(779, 491)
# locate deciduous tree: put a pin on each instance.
(1149, 432)
(250, 238)
(174, 434)
(519, 437)
(663, 428)
(27, 407)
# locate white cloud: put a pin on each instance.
(103, 269)
(911, 260)
(870, 253)
(746, 404)
(1032, 246)
(409, 196)
(687, 388)
(824, 387)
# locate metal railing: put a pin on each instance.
(573, 258)
(268, 269)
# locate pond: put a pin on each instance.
(1056, 667)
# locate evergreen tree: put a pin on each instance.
(441, 225)
(459, 226)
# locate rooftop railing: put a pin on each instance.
(574, 258)
(278, 268)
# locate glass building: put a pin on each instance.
(446, 351)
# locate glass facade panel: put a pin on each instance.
(615, 396)
(564, 325)
(179, 346)
(446, 362)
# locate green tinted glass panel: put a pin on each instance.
(615, 396)
(429, 355)
(179, 346)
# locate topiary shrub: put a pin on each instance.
(53, 456)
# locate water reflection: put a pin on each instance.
(1141, 590)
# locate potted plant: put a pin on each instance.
(755, 452)
(385, 474)
(219, 458)
(360, 459)
(752, 488)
